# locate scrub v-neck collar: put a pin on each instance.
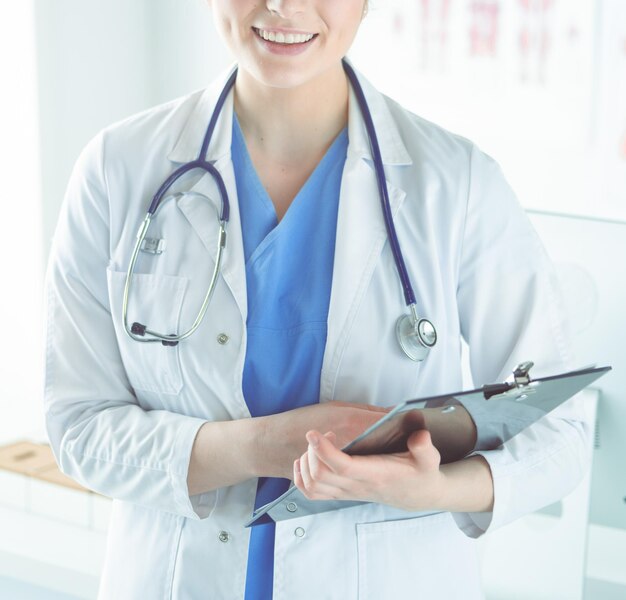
(267, 226)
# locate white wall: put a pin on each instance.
(185, 51)
(92, 60)
(20, 227)
(102, 61)
(557, 124)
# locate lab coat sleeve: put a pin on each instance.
(99, 434)
(510, 311)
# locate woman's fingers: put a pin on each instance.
(312, 488)
(311, 473)
(325, 472)
(332, 436)
(322, 450)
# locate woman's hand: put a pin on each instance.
(413, 480)
(227, 452)
(281, 437)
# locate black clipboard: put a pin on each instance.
(512, 406)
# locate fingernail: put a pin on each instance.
(313, 440)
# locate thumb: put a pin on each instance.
(422, 450)
(418, 442)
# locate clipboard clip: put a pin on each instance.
(518, 380)
(521, 375)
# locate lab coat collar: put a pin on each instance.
(189, 143)
(393, 150)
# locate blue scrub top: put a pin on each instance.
(289, 267)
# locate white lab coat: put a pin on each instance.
(122, 416)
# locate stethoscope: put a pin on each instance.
(416, 335)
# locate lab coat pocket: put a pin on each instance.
(155, 301)
(420, 558)
(141, 554)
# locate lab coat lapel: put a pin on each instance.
(201, 213)
(361, 232)
(361, 236)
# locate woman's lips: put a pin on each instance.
(284, 42)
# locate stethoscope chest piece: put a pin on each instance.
(415, 336)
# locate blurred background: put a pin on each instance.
(538, 84)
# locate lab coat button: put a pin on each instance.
(291, 506)
(224, 536)
(299, 532)
(222, 339)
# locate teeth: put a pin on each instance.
(281, 38)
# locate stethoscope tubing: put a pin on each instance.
(202, 165)
(409, 328)
(409, 294)
(137, 331)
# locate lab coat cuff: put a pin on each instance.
(194, 507)
(488, 423)
(475, 524)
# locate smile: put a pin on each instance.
(278, 37)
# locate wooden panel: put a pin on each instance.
(35, 460)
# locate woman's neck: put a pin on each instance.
(291, 125)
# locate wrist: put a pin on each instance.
(466, 486)
(268, 448)
(257, 447)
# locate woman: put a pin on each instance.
(297, 353)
